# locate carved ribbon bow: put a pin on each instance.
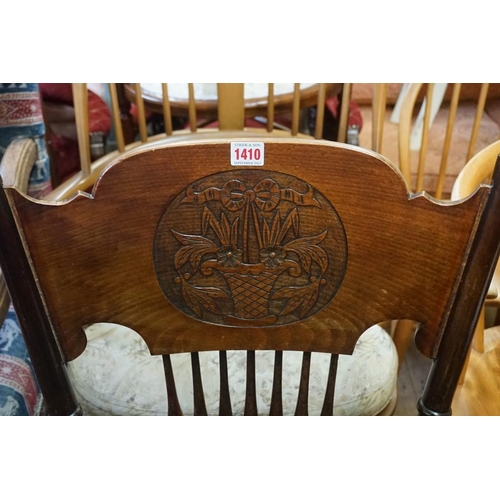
(266, 194)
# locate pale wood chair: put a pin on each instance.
(230, 115)
(479, 390)
(415, 165)
(447, 97)
(171, 232)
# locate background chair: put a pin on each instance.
(479, 391)
(230, 114)
(201, 228)
(458, 110)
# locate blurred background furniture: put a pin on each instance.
(230, 118)
(61, 137)
(202, 110)
(437, 128)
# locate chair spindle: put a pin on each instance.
(251, 393)
(344, 112)
(270, 107)
(80, 99)
(192, 108)
(276, 408)
(141, 113)
(447, 139)
(296, 109)
(327, 410)
(174, 408)
(302, 408)
(225, 408)
(200, 409)
(115, 108)
(320, 112)
(425, 137)
(167, 113)
(477, 119)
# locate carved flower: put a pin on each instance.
(229, 256)
(272, 256)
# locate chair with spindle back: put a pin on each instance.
(462, 138)
(230, 112)
(197, 255)
(479, 390)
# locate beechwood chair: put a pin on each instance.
(425, 157)
(230, 120)
(197, 255)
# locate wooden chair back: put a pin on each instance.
(230, 113)
(197, 254)
(416, 171)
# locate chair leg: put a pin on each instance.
(403, 332)
(477, 344)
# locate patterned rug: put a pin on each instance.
(19, 392)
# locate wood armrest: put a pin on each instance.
(15, 169)
(17, 163)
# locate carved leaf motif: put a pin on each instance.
(304, 297)
(292, 220)
(308, 251)
(226, 232)
(193, 249)
(198, 297)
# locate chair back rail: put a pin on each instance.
(229, 117)
(166, 261)
(405, 129)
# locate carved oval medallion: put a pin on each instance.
(250, 248)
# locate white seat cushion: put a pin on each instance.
(116, 375)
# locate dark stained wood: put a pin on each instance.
(302, 408)
(109, 274)
(276, 408)
(355, 248)
(38, 334)
(174, 408)
(225, 408)
(327, 409)
(200, 408)
(461, 323)
(251, 392)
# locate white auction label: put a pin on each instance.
(247, 153)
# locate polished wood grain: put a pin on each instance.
(114, 273)
(41, 342)
(109, 235)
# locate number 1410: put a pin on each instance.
(247, 154)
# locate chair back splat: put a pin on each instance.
(299, 250)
